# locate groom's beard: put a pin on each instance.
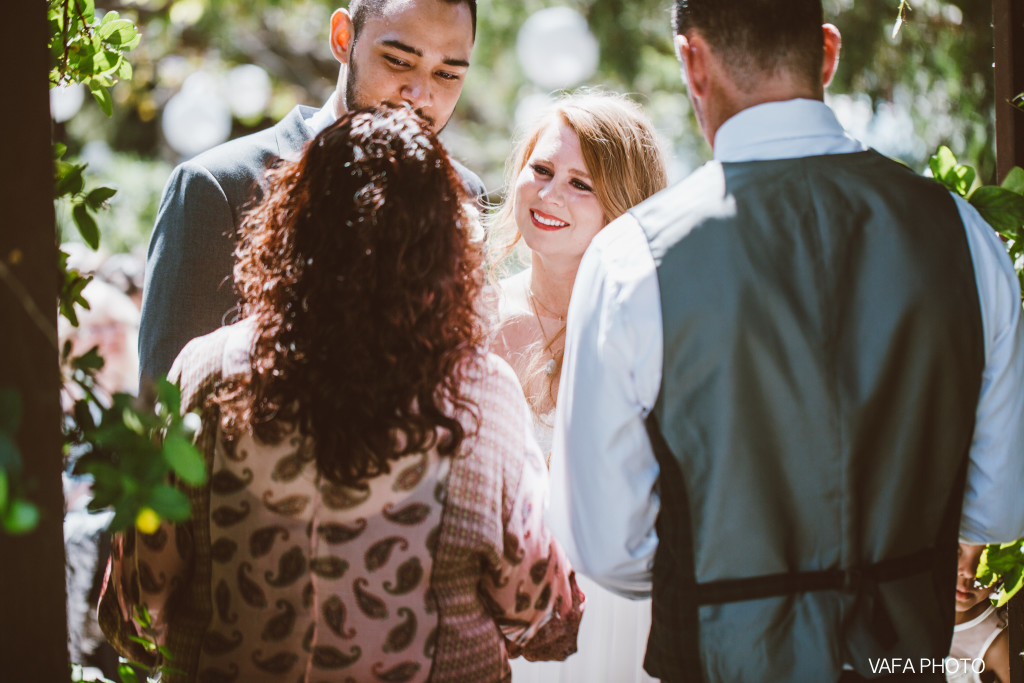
(353, 100)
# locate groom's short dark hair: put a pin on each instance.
(757, 37)
(361, 10)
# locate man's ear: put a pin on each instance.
(693, 56)
(830, 62)
(341, 35)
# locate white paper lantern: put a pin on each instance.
(248, 90)
(556, 48)
(66, 100)
(197, 118)
(530, 108)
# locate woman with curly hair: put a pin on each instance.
(583, 163)
(374, 507)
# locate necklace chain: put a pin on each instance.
(552, 365)
(537, 302)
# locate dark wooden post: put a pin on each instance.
(33, 625)
(1008, 32)
(1008, 35)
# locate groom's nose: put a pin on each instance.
(416, 91)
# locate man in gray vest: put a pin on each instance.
(391, 51)
(792, 382)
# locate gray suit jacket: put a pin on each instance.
(188, 290)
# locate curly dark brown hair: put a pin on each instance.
(360, 274)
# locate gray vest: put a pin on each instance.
(823, 359)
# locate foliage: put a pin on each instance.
(129, 453)
(1003, 564)
(89, 51)
(129, 671)
(70, 185)
(1001, 206)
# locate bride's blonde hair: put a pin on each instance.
(624, 159)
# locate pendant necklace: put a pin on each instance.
(551, 367)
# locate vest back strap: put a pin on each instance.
(846, 580)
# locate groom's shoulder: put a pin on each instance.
(250, 155)
(694, 195)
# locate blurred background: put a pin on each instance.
(209, 70)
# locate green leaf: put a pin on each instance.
(124, 71)
(71, 295)
(21, 518)
(1003, 209)
(964, 179)
(103, 98)
(127, 673)
(86, 10)
(96, 198)
(942, 163)
(1014, 180)
(118, 32)
(59, 149)
(10, 410)
(103, 62)
(4, 490)
(124, 515)
(90, 360)
(142, 616)
(148, 645)
(1012, 583)
(185, 460)
(170, 503)
(87, 227)
(956, 177)
(109, 17)
(132, 422)
(169, 396)
(69, 178)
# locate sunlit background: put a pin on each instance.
(210, 70)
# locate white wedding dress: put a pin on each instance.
(613, 633)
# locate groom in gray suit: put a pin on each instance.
(390, 51)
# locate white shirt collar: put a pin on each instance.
(323, 118)
(783, 130)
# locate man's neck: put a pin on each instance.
(727, 100)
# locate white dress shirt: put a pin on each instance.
(324, 117)
(603, 470)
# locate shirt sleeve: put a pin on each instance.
(993, 510)
(603, 470)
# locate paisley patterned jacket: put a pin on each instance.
(436, 571)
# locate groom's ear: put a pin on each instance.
(342, 33)
(693, 58)
(830, 61)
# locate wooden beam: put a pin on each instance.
(33, 635)
(1008, 38)
(1008, 34)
